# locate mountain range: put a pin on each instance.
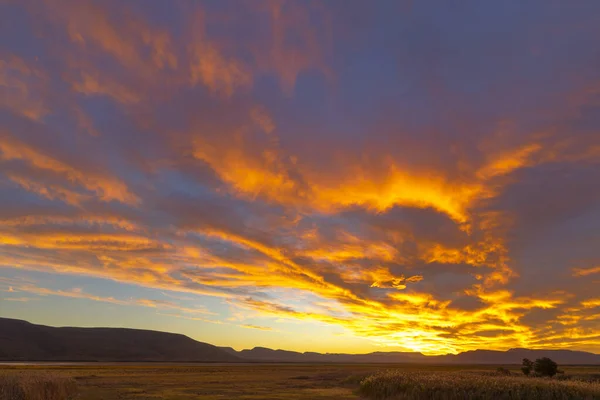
(23, 341)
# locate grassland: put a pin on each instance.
(297, 382)
(25, 385)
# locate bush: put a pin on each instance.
(527, 366)
(30, 386)
(463, 386)
(545, 367)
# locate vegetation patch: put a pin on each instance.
(37, 386)
(424, 385)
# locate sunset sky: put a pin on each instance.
(333, 176)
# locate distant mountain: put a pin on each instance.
(229, 350)
(268, 355)
(512, 356)
(515, 356)
(23, 341)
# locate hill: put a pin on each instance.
(23, 341)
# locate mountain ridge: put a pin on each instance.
(23, 341)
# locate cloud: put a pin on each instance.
(192, 318)
(106, 188)
(91, 85)
(22, 88)
(209, 67)
(19, 299)
(80, 294)
(297, 163)
(260, 328)
(586, 271)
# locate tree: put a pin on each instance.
(545, 367)
(527, 366)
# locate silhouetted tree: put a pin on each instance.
(527, 366)
(545, 367)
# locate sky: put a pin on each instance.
(333, 176)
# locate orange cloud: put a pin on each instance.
(591, 303)
(134, 44)
(22, 87)
(586, 271)
(107, 188)
(211, 68)
(260, 328)
(287, 59)
(91, 85)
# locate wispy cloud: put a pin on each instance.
(586, 271)
(78, 293)
(20, 299)
(260, 328)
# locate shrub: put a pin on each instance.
(545, 367)
(527, 366)
(30, 386)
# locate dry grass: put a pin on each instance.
(295, 381)
(210, 382)
(36, 386)
(426, 385)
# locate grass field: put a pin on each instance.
(296, 382)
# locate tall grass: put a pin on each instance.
(414, 385)
(36, 386)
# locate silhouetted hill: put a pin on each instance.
(515, 356)
(229, 350)
(264, 354)
(268, 355)
(23, 341)
(512, 356)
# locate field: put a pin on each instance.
(290, 382)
